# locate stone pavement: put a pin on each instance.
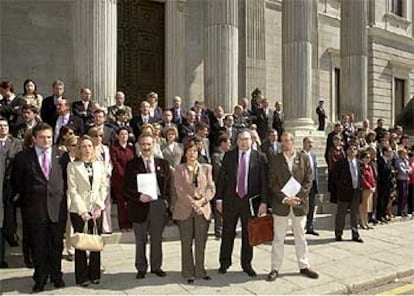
(344, 267)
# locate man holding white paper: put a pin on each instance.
(290, 180)
(147, 189)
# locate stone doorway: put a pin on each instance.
(140, 52)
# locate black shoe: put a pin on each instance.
(222, 269)
(364, 227)
(58, 283)
(250, 272)
(96, 282)
(159, 272)
(217, 235)
(357, 239)
(4, 264)
(383, 220)
(85, 284)
(272, 276)
(338, 238)
(309, 273)
(28, 264)
(313, 232)
(190, 281)
(38, 288)
(140, 275)
(206, 278)
(69, 257)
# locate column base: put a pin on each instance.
(302, 124)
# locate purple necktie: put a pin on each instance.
(241, 178)
(148, 163)
(45, 164)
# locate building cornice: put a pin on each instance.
(274, 4)
(391, 39)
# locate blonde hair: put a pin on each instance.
(145, 126)
(78, 148)
(71, 139)
(93, 131)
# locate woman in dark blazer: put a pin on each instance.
(194, 189)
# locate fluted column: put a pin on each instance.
(175, 48)
(252, 63)
(354, 60)
(95, 48)
(297, 63)
(221, 80)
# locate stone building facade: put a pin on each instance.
(297, 51)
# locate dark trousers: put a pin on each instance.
(46, 241)
(122, 210)
(410, 200)
(402, 186)
(382, 202)
(218, 219)
(26, 248)
(342, 208)
(2, 246)
(238, 208)
(194, 228)
(321, 124)
(85, 271)
(312, 204)
(154, 225)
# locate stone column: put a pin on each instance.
(354, 60)
(297, 18)
(95, 48)
(252, 63)
(175, 49)
(221, 79)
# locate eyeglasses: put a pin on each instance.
(101, 136)
(70, 133)
(73, 145)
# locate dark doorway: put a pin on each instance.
(140, 50)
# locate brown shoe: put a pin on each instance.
(309, 273)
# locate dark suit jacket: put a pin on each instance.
(343, 180)
(136, 123)
(385, 174)
(48, 110)
(12, 110)
(279, 175)
(267, 147)
(186, 130)
(181, 119)
(261, 122)
(43, 201)
(278, 123)
(257, 178)
(75, 122)
(138, 211)
(78, 109)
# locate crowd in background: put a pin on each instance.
(83, 130)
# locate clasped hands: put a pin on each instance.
(95, 214)
(293, 201)
(197, 205)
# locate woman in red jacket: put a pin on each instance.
(368, 184)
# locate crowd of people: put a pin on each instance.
(65, 163)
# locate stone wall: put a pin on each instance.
(36, 42)
(273, 37)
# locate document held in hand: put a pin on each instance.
(147, 184)
(291, 188)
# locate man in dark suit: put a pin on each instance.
(289, 205)
(187, 129)
(148, 215)
(30, 120)
(278, 118)
(230, 129)
(307, 150)
(65, 117)
(179, 114)
(329, 140)
(385, 185)
(119, 105)
(348, 183)
(271, 145)
(9, 147)
(10, 104)
(321, 116)
(243, 175)
(143, 118)
(224, 145)
(83, 108)
(48, 109)
(37, 177)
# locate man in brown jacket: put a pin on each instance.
(282, 167)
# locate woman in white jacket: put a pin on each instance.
(87, 190)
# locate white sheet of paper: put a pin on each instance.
(291, 188)
(147, 184)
